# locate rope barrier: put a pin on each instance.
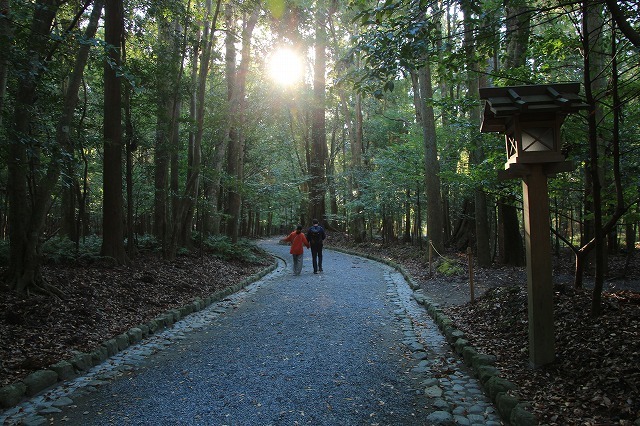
(469, 265)
(434, 249)
(431, 246)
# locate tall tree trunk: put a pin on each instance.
(358, 223)
(418, 219)
(406, 238)
(591, 38)
(82, 225)
(232, 196)
(6, 37)
(600, 87)
(171, 246)
(218, 193)
(355, 226)
(24, 263)
(112, 219)
(64, 126)
(214, 194)
(331, 170)
(235, 152)
(26, 230)
(317, 187)
(130, 148)
(592, 44)
(68, 203)
(185, 205)
(518, 23)
(189, 201)
(510, 245)
(482, 234)
(423, 96)
(435, 228)
(175, 224)
(164, 111)
(353, 125)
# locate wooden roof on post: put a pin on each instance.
(531, 101)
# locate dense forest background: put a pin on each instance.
(159, 121)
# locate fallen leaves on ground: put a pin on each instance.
(594, 379)
(101, 302)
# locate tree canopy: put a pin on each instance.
(163, 119)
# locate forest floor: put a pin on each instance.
(594, 380)
(102, 301)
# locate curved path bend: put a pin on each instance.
(348, 346)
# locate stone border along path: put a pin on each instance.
(515, 412)
(445, 383)
(118, 354)
(447, 386)
(34, 411)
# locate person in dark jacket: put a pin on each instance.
(315, 236)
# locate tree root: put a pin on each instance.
(44, 288)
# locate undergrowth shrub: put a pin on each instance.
(147, 242)
(59, 250)
(222, 247)
(449, 268)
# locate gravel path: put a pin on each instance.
(344, 347)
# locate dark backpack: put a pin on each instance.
(314, 235)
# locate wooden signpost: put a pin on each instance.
(530, 117)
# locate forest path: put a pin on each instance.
(337, 348)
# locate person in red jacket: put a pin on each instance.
(297, 240)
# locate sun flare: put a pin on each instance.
(285, 67)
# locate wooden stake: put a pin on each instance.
(430, 258)
(470, 259)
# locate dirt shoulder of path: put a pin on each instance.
(102, 301)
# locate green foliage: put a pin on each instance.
(61, 250)
(449, 268)
(147, 242)
(554, 51)
(395, 37)
(222, 247)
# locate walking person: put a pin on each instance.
(298, 241)
(315, 236)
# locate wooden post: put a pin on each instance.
(530, 117)
(539, 270)
(470, 259)
(430, 258)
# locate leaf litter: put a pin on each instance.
(101, 302)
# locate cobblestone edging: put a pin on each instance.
(447, 389)
(38, 381)
(511, 410)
